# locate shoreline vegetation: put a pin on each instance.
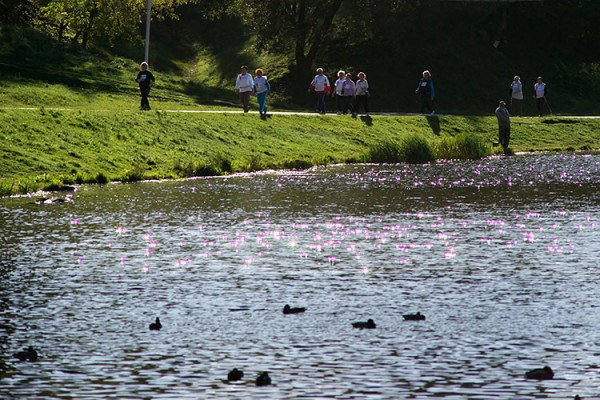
(46, 149)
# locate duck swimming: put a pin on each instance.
(414, 317)
(156, 325)
(235, 375)
(293, 310)
(263, 379)
(540, 373)
(28, 354)
(370, 324)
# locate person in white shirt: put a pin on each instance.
(262, 89)
(320, 84)
(516, 96)
(539, 94)
(338, 85)
(244, 86)
(362, 93)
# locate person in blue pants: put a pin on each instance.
(262, 89)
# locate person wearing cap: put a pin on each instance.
(244, 87)
(320, 84)
(503, 125)
(145, 79)
(262, 89)
(516, 96)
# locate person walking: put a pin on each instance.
(262, 89)
(516, 97)
(244, 87)
(339, 83)
(362, 93)
(146, 80)
(427, 92)
(348, 92)
(503, 126)
(320, 84)
(539, 94)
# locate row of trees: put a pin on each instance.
(300, 28)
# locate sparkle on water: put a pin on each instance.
(500, 254)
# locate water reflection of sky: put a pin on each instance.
(500, 254)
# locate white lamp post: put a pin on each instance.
(147, 52)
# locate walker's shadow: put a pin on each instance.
(434, 123)
(367, 120)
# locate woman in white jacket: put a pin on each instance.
(244, 86)
(320, 84)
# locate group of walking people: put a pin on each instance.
(246, 85)
(350, 96)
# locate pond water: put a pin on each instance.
(501, 255)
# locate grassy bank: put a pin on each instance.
(43, 149)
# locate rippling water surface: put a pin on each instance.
(501, 255)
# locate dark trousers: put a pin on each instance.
(346, 104)
(426, 102)
(145, 91)
(339, 102)
(504, 135)
(362, 100)
(321, 102)
(539, 102)
(245, 100)
(516, 107)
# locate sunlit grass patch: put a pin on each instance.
(462, 146)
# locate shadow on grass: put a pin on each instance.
(434, 123)
(367, 120)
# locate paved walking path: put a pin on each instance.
(255, 113)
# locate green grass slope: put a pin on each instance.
(69, 115)
(42, 148)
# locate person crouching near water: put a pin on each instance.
(145, 79)
(244, 87)
(503, 126)
(262, 89)
(320, 84)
